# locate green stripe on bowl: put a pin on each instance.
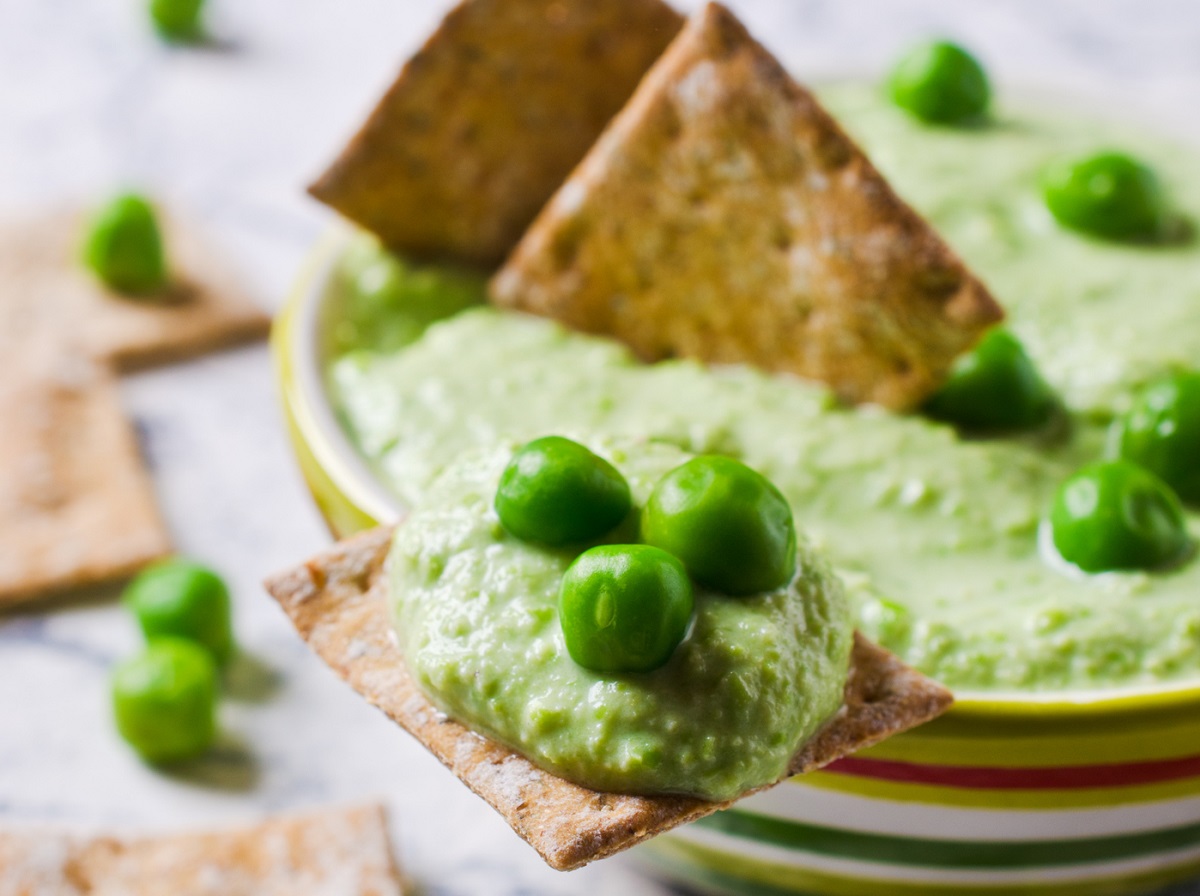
(714, 871)
(891, 850)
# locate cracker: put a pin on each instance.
(334, 851)
(337, 602)
(725, 216)
(488, 118)
(76, 504)
(44, 288)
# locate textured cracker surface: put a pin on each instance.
(76, 504)
(486, 121)
(45, 289)
(725, 216)
(331, 853)
(337, 602)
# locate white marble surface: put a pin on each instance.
(88, 101)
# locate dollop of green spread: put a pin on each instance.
(475, 609)
(935, 537)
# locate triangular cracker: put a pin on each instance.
(337, 602)
(44, 288)
(484, 123)
(334, 851)
(725, 216)
(76, 505)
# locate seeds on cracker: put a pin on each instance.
(488, 118)
(726, 216)
(338, 603)
(315, 854)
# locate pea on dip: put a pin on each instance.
(935, 536)
(476, 613)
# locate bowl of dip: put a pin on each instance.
(1071, 760)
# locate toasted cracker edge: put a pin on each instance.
(337, 601)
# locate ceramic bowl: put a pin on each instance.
(1088, 793)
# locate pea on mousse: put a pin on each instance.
(961, 541)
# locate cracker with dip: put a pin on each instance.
(338, 603)
(330, 851)
(943, 530)
(881, 312)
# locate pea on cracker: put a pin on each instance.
(47, 289)
(725, 216)
(488, 118)
(319, 853)
(76, 504)
(338, 603)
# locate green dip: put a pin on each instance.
(476, 614)
(935, 538)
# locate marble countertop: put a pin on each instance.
(91, 101)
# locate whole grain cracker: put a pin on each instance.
(343, 851)
(486, 120)
(337, 602)
(76, 504)
(725, 216)
(44, 288)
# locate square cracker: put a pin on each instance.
(725, 216)
(488, 118)
(337, 602)
(343, 851)
(76, 504)
(45, 289)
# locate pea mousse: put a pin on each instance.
(478, 614)
(937, 536)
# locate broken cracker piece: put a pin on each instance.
(46, 289)
(488, 118)
(76, 504)
(343, 851)
(337, 602)
(725, 216)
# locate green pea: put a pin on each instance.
(1108, 194)
(185, 600)
(940, 83)
(1116, 515)
(557, 492)
(624, 608)
(993, 387)
(165, 699)
(178, 20)
(1162, 433)
(729, 525)
(124, 247)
